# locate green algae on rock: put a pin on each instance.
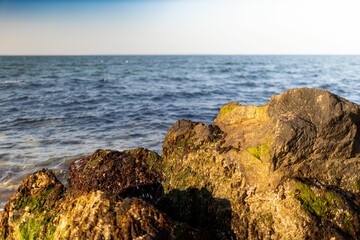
(30, 212)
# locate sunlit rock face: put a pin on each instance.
(31, 211)
(288, 169)
(285, 170)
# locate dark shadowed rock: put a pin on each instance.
(132, 173)
(199, 209)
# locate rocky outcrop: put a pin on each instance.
(43, 209)
(289, 169)
(285, 170)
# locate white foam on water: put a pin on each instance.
(10, 82)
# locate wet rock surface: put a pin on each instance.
(132, 173)
(285, 170)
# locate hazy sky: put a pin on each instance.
(179, 27)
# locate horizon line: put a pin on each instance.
(181, 54)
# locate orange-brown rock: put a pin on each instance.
(288, 169)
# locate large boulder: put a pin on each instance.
(288, 169)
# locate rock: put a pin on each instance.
(99, 203)
(288, 169)
(313, 124)
(96, 215)
(43, 209)
(132, 173)
(30, 212)
(285, 170)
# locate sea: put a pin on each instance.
(54, 109)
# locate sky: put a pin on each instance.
(79, 27)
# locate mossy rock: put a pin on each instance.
(261, 152)
(31, 211)
(330, 207)
(227, 108)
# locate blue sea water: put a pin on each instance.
(54, 109)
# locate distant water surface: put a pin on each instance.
(54, 109)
